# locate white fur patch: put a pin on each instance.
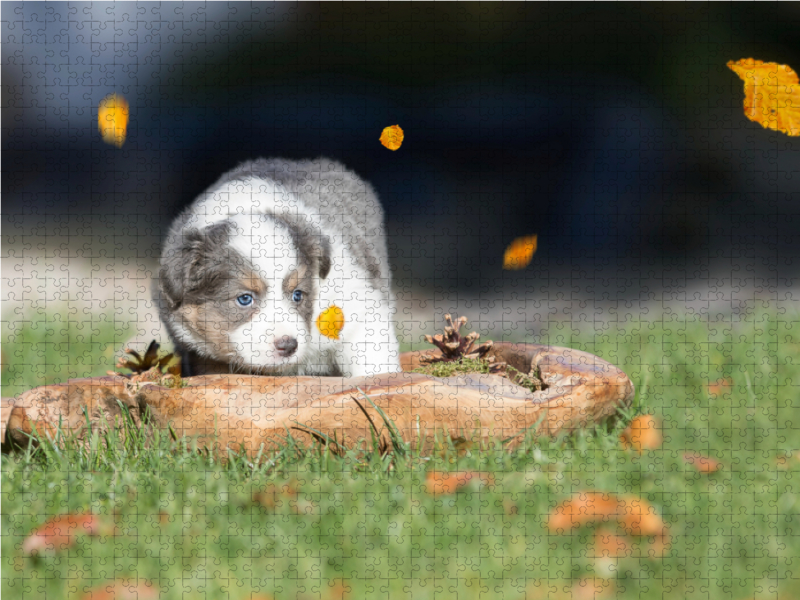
(268, 245)
(244, 197)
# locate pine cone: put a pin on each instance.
(455, 347)
(141, 364)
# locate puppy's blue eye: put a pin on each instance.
(244, 300)
(297, 296)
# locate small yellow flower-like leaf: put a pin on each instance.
(112, 119)
(392, 137)
(519, 253)
(331, 322)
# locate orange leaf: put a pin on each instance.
(519, 253)
(442, 482)
(585, 507)
(638, 517)
(273, 496)
(392, 137)
(338, 589)
(61, 532)
(642, 434)
(331, 322)
(771, 94)
(635, 515)
(720, 386)
(112, 119)
(787, 460)
(122, 589)
(702, 463)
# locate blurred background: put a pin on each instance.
(613, 131)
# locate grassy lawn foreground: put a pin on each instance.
(307, 524)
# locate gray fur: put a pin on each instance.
(339, 195)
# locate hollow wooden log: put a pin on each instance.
(244, 411)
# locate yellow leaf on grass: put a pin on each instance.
(519, 253)
(771, 94)
(392, 137)
(331, 322)
(704, 464)
(718, 387)
(112, 119)
(61, 532)
(644, 433)
(584, 508)
(442, 482)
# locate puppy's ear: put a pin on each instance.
(183, 264)
(324, 256)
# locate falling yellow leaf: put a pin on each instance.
(392, 137)
(771, 94)
(520, 252)
(331, 322)
(112, 119)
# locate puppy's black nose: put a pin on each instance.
(286, 345)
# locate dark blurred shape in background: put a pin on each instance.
(613, 131)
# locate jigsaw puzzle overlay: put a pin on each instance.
(422, 300)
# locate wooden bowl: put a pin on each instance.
(235, 411)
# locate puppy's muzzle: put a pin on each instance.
(285, 345)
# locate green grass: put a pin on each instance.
(41, 348)
(189, 521)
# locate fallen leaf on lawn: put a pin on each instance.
(771, 94)
(643, 433)
(123, 589)
(272, 496)
(519, 253)
(787, 460)
(112, 119)
(638, 517)
(583, 508)
(702, 463)
(720, 386)
(338, 589)
(635, 515)
(331, 322)
(61, 532)
(442, 482)
(392, 137)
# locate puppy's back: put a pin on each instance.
(343, 202)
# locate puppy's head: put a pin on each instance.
(244, 290)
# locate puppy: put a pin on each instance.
(247, 270)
